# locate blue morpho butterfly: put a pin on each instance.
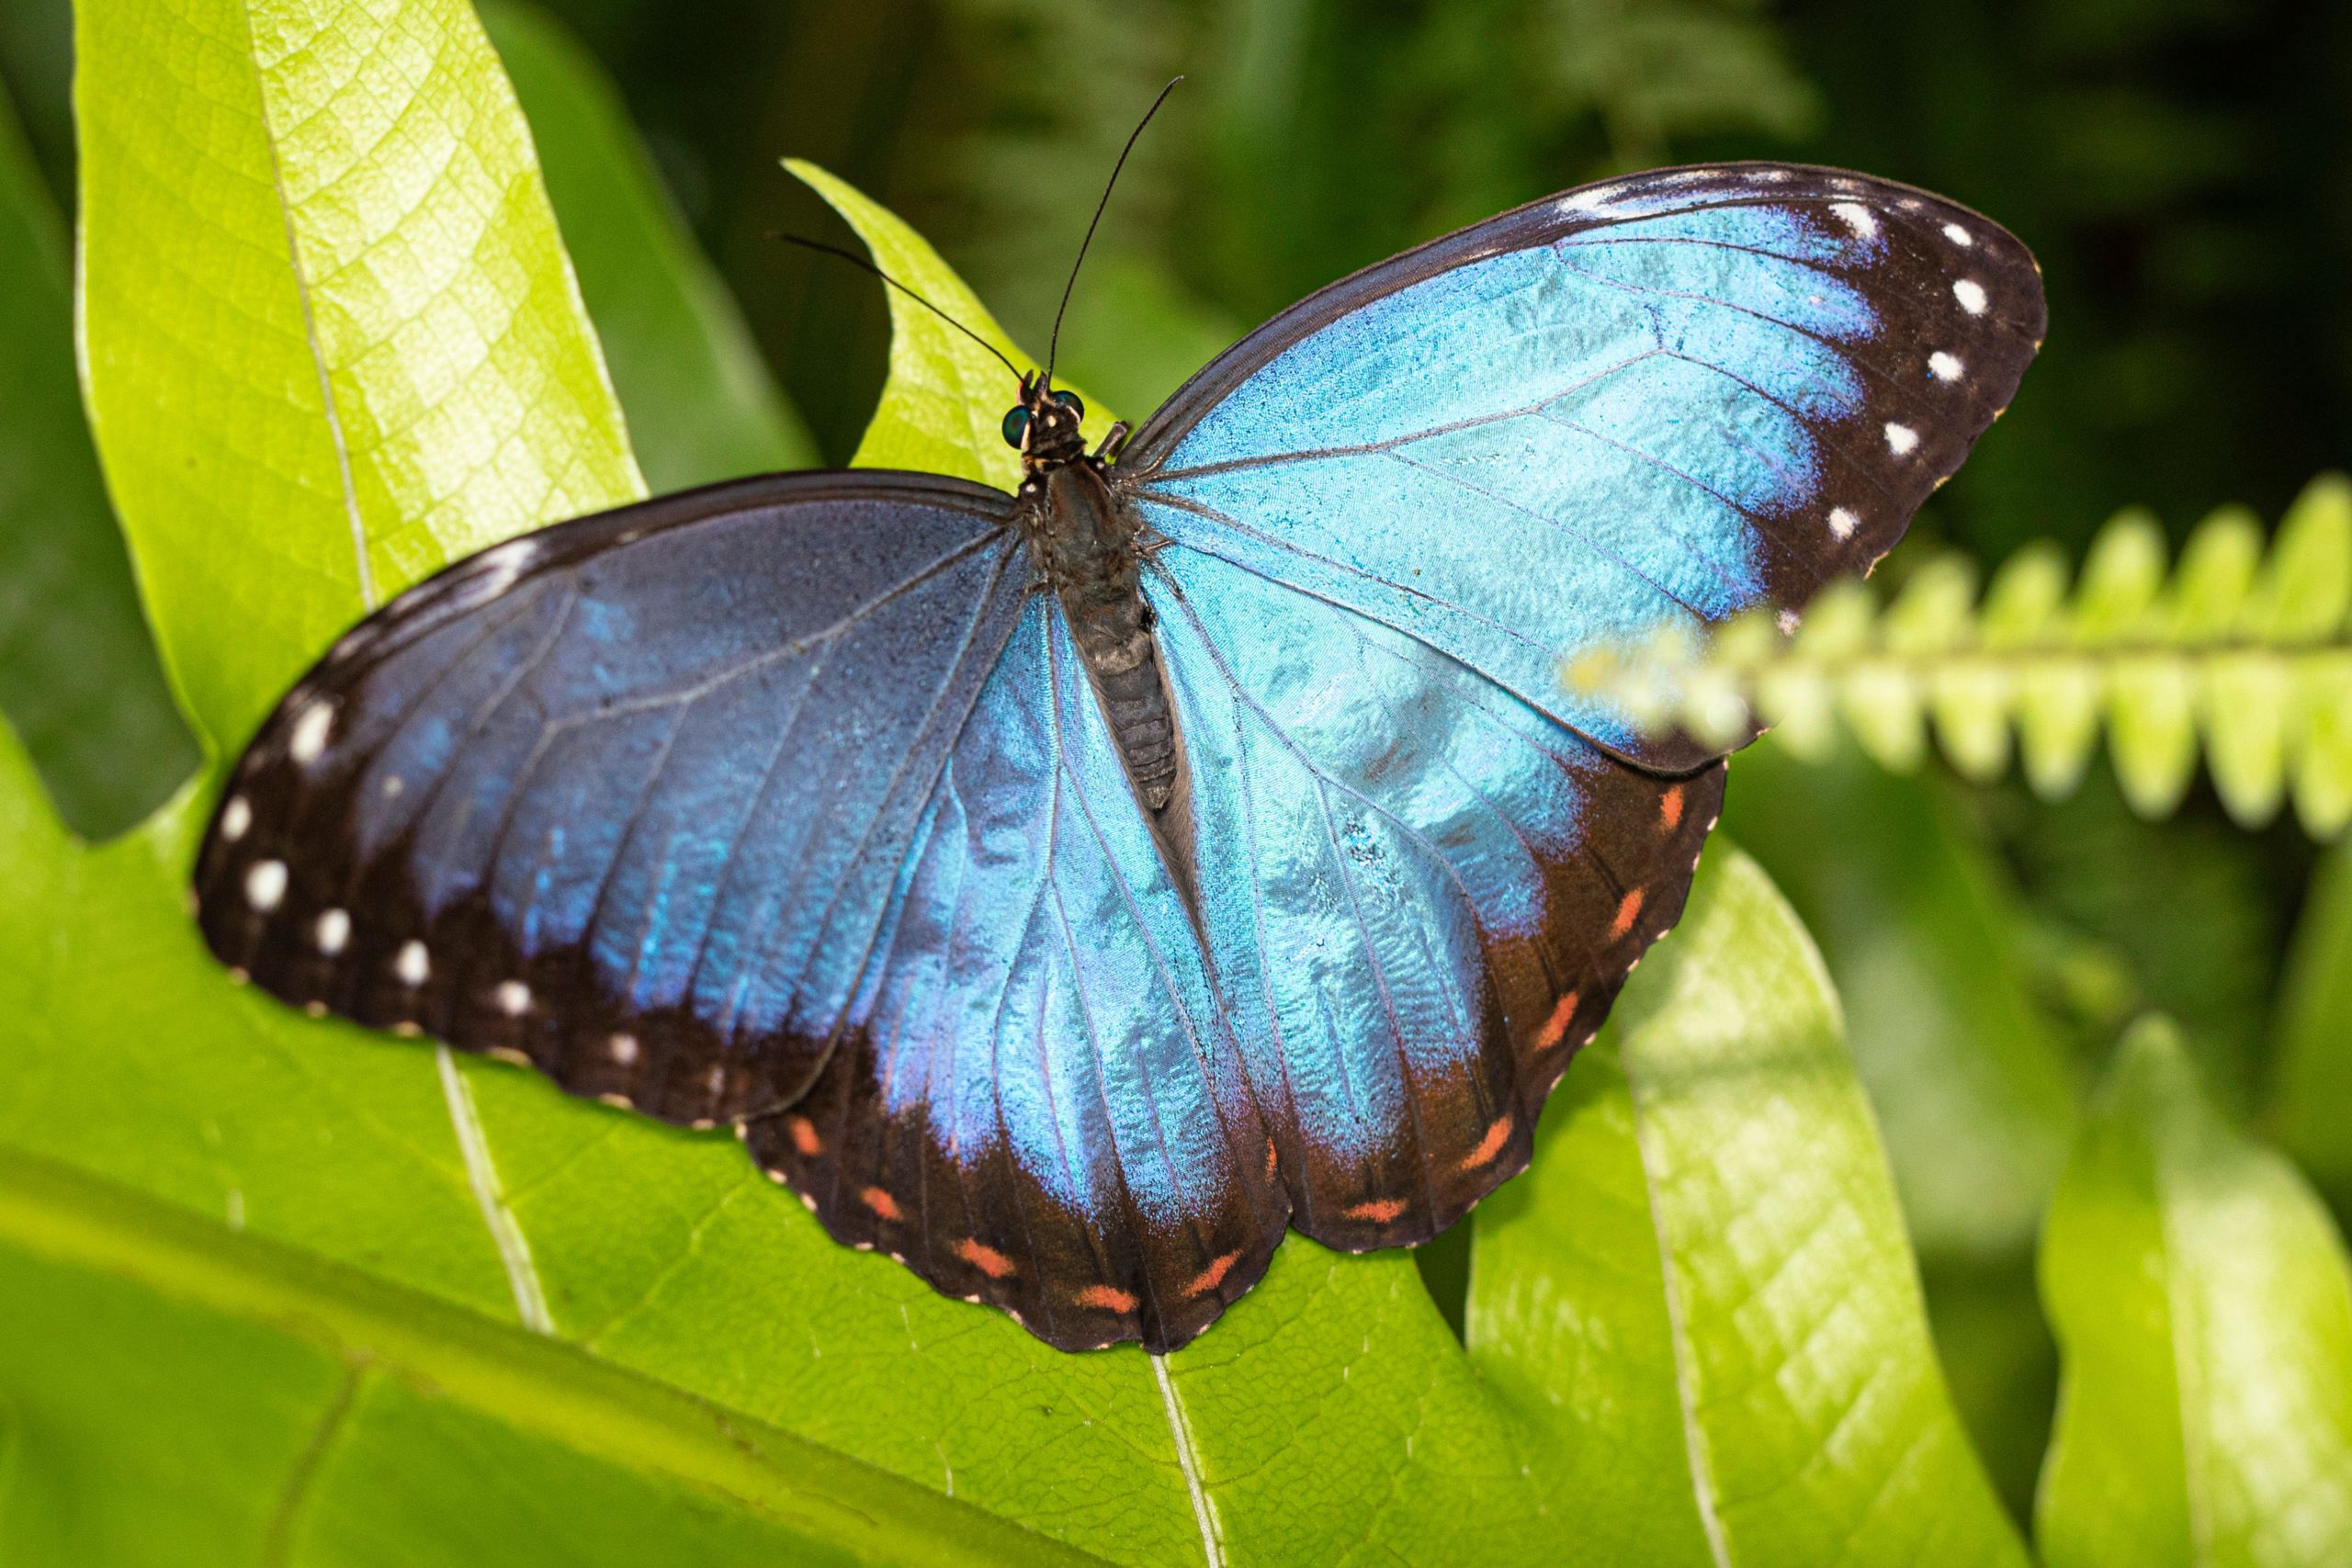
(1066, 891)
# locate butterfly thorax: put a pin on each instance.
(1086, 542)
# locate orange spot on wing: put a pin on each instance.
(881, 1203)
(1628, 911)
(1270, 1159)
(1214, 1275)
(1669, 809)
(1490, 1145)
(984, 1257)
(1110, 1298)
(1379, 1211)
(1556, 1027)
(803, 1137)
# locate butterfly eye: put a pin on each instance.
(1070, 401)
(1016, 427)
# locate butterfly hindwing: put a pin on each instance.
(1665, 400)
(1038, 1103)
(1420, 894)
(626, 797)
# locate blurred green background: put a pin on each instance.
(2180, 166)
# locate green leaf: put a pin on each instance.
(2311, 1099)
(331, 337)
(946, 401)
(78, 676)
(702, 406)
(1700, 1295)
(1968, 1073)
(2203, 1307)
(318, 1416)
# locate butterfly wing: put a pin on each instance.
(626, 797)
(1420, 894)
(1392, 514)
(1038, 1103)
(1664, 400)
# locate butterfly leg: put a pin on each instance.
(1115, 440)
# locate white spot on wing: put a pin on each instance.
(1901, 439)
(498, 569)
(264, 885)
(1971, 295)
(512, 998)
(413, 965)
(1855, 216)
(309, 741)
(1843, 523)
(1959, 236)
(333, 931)
(1944, 366)
(235, 819)
(623, 1048)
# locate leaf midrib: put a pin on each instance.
(552, 1391)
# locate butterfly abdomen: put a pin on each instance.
(1085, 539)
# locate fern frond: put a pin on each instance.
(2242, 656)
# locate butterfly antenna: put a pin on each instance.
(1053, 347)
(855, 260)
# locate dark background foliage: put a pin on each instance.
(2180, 166)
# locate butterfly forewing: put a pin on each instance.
(1663, 401)
(626, 797)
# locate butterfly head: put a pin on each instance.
(1043, 426)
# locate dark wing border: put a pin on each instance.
(1539, 223)
(357, 982)
(467, 583)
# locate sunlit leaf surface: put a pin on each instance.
(702, 406)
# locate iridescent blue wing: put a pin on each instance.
(626, 797)
(1420, 894)
(1037, 1102)
(1663, 400)
(1392, 514)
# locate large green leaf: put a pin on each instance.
(2204, 1305)
(1331, 1418)
(332, 338)
(1967, 1071)
(1969, 1076)
(702, 406)
(1700, 1294)
(78, 676)
(2312, 1096)
(316, 1415)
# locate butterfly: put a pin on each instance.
(1066, 892)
